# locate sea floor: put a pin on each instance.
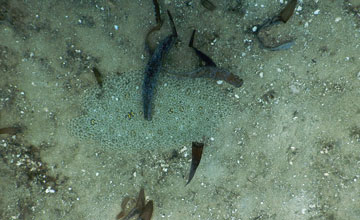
(285, 145)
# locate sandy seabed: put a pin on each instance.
(285, 145)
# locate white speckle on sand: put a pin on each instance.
(183, 149)
(337, 19)
(294, 89)
(49, 190)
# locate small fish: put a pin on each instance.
(210, 70)
(153, 68)
(208, 5)
(208, 61)
(98, 76)
(197, 149)
(11, 130)
(214, 73)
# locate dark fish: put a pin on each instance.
(214, 73)
(197, 149)
(98, 76)
(208, 61)
(208, 5)
(11, 130)
(153, 68)
(210, 70)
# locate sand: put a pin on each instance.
(285, 145)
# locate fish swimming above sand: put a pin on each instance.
(153, 68)
(210, 70)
